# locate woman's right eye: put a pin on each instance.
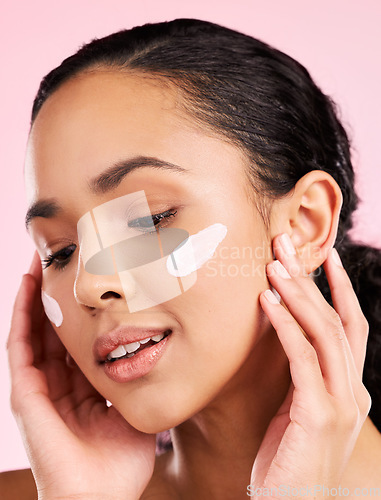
(60, 258)
(148, 223)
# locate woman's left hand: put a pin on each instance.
(310, 440)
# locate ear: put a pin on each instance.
(310, 216)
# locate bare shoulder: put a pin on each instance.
(160, 488)
(17, 485)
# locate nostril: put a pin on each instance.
(110, 295)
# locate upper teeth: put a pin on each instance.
(122, 350)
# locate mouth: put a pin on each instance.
(129, 352)
(124, 351)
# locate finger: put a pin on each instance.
(26, 379)
(83, 389)
(355, 325)
(37, 311)
(347, 305)
(307, 378)
(19, 346)
(35, 268)
(318, 320)
(333, 348)
(31, 404)
(68, 386)
(304, 364)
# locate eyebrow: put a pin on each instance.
(113, 176)
(107, 181)
(42, 208)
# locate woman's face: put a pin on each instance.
(89, 124)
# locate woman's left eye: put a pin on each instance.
(149, 223)
(60, 258)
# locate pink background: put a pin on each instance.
(337, 40)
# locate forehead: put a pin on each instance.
(103, 117)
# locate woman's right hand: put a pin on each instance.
(78, 447)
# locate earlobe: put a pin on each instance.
(311, 217)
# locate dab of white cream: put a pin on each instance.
(52, 309)
(198, 249)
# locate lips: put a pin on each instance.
(123, 335)
(125, 370)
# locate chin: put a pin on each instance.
(152, 419)
(150, 425)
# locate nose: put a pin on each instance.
(94, 291)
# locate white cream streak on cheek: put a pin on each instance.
(52, 309)
(197, 250)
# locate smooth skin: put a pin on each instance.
(247, 386)
(300, 423)
(71, 415)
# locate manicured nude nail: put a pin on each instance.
(271, 297)
(336, 257)
(281, 270)
(287, 245)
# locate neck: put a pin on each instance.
(214, 451)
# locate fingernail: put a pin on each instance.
(270, 297)
(280, 270)
(278, 297)
(336, 257)
(287, 245)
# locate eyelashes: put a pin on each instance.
(147, 224)
(152, 221)
(59, 258)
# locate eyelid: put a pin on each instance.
(57, 244)
(141, 208)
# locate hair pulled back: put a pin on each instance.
(265, 103)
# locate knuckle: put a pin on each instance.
(8, 344)
(333, 319)
(288, 322)
(285, 322)
(364, 325)
(309, 355)
(334, 325)
(364, 402)
(14, 404)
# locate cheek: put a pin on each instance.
(221, 315)
(228, 308)
(52, 309)
(220, 320)
(61, 308)
(214, 343)
(56, 295)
